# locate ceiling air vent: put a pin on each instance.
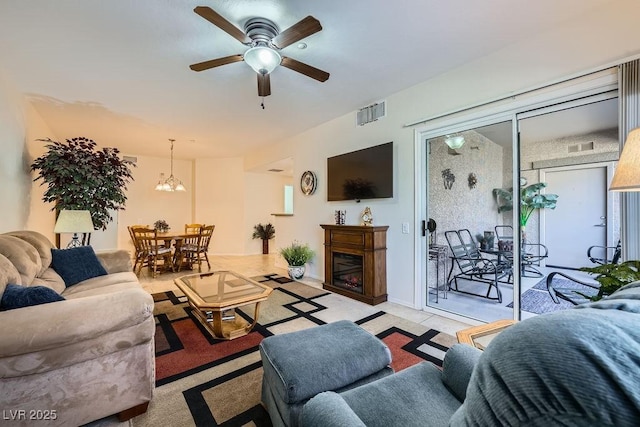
(371, 113)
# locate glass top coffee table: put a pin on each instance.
(214, 297)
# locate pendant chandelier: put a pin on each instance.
(171, 183)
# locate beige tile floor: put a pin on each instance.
(345, 308)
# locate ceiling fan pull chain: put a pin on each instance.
(262, 103)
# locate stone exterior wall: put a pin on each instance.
(461, 206)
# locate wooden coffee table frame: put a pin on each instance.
(210, 313)
(471, 335)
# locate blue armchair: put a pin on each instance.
(577, 367)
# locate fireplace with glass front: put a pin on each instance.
(356, 261)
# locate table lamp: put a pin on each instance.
(70, 221)
(627, 176)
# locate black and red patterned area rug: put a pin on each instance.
(201, 380)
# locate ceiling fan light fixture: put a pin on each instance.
(262, 59)
(454, 142)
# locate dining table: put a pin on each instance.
(178, 237)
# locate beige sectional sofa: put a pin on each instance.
(77, 360)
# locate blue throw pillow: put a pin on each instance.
(76, 264)
(16, 296)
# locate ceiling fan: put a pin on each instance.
(264, 41)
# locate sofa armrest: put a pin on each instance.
(329, 409)
(115, 261)
(457, 367)
(63, 323)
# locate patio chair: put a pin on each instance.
(531, 253)
(575, 292)
(472, 265)
(605, 254)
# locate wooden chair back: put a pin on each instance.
(193, 228)
(151, 249)
(205, 237)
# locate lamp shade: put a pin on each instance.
(74, 222)
(627, 176)
(262, 59)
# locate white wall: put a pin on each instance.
(219, 200)
(14, 192)
(264, 195)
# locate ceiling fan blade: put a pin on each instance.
(219, 21)
(307, 70)
(201, 66)
(264, 85)
(302, 29)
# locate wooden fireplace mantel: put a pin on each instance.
(368, 243)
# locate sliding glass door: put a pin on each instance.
(466, 167)
(489, 248)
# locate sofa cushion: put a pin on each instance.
(23, 256)
(557, 368)
(8, 273)
(76, 264)
(39, 242)
(415, 396)
(50, 279)
(16, 296)
(102, 284)
(305, 363)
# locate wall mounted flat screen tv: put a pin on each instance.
(362, 174)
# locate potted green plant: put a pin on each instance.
(81, 177)
(486, 240)
(297, 255)
(264, 232)
(161, 225)
(530, 201)
(612, 277)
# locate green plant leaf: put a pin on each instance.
(79, 176)
(297, 254)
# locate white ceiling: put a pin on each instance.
(118, 71)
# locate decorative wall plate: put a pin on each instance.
(308, 183)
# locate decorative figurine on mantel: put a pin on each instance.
(367, 218)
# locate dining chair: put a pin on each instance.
(153, 250)
(138, 252)
(192, 228)
(194, 249)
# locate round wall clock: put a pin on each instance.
(308, 183)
